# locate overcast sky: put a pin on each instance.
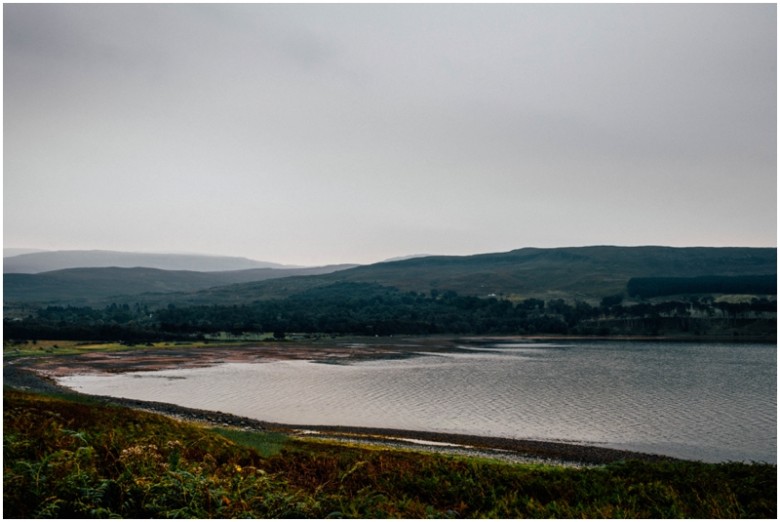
(314, 134)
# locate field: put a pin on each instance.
(68, 456)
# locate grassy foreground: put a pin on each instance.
(68, 459)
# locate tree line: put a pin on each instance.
(646, 287)
(372, 309)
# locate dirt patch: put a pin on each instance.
(143, 359)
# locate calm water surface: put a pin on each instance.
(711, 402)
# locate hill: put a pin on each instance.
(584, 273)
(10, 252)
(93, 285)
(36, 262)
(580, 291)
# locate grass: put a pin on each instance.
(68, 459)
(52, 347)
(266, 444)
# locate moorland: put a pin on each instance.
(70, 456)
(67, 455)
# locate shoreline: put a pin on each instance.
(329, 350)
(527, 450)
(41, 372)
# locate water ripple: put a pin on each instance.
(709, 402)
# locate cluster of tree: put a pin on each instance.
(646, 287)
(370, 309)
(111, 323)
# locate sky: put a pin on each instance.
(313, 134)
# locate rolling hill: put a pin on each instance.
(10, 252)
(578, 273)
(584, 273)
(36, 262)
(96, 285)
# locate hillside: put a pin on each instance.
(36, 262)
(584, 273)
(89, 285)
(583, 291)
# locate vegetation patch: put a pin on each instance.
(747, 284)
(266, 443)
(371, 309)
(14, 348)
(69, 459)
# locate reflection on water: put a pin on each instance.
(710, 402)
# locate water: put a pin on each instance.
(710, 402)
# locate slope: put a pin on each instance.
(585, 273)
(37, 262)
(94, 285)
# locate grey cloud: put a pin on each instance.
(464, 117)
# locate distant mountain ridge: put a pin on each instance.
(586, 273)
(90, 285)
(10, 252)
(575, 273)
(36, 262)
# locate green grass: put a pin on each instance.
(67, 459)
(266, 444)
(53, 347)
